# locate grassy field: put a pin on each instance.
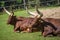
(7, 33)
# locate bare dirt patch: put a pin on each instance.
(51, 12)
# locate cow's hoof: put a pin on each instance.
(44, 34)
(17, 31)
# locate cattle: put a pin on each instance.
(29, 24)
(25, 24)
(50, 26)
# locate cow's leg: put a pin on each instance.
(16, 28)
(47, 32)
(42, 32)
(24, 30)
(57, 32)
(29, 29)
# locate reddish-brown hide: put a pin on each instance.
(50, 26)
(23, 23)
(47, 25)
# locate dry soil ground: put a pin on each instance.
(51, 12)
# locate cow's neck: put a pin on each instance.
(14, 21)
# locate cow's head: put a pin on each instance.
(12, 18)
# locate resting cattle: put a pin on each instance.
(50, 26)
(23, 23)
(29, 24)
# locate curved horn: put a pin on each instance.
(38, 12)
(32, 13)
(7, 11)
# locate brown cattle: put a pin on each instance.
(50, 26)
(23, 23)
(47, 25)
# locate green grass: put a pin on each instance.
(7, 33)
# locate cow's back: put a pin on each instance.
(55, 22)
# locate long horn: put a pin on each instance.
(31, 13)
(38, 12)
(7, 11)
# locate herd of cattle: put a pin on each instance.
(47, 26)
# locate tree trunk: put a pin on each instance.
(24, 3)
(38, 2)
(58, 2)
